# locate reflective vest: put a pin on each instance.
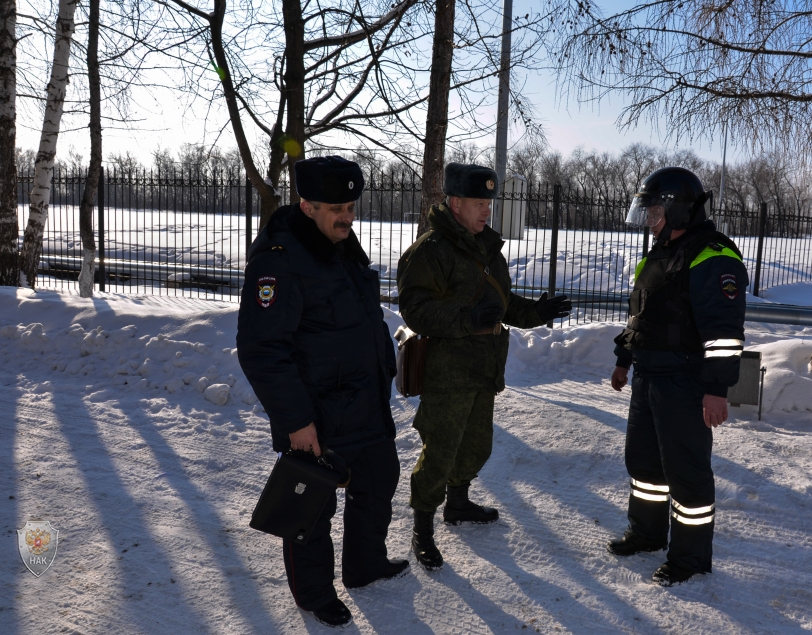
(660, 313)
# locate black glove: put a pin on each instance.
(485, 314)
(557, 307)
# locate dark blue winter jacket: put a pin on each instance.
(311, 337)
(708, 289)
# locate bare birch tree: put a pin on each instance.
(9, 227)
(44, 166)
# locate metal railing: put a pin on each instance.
(188, 234)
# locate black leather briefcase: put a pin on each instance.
(296, 492)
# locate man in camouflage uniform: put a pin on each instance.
(454, 287)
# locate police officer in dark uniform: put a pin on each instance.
(685, 336)
(313, 344)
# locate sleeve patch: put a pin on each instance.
(729, 284)
(266, 291)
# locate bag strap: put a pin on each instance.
(490, 279)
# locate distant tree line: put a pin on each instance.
(785, 186)
(781, 182)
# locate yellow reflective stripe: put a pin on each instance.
(649, 486)
(707, 252)
(692, 521)
(639, 268)
(660, 498)
(693, 511)
(713, 343)
(722, 353)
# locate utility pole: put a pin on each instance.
(502, 110)
(722, 180)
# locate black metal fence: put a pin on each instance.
(188, 234)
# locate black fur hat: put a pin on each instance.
(470, 181)
(330, 180)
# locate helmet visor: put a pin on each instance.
(644, 212)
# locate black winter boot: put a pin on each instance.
(334, 613)
(459, 509)
(392, 569)
(423, 545)
(670, 574)
(630, 543)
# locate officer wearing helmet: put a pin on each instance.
(685, 336)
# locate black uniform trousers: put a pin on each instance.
(367, 514)
(668, 456)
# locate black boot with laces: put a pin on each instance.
(460, 509)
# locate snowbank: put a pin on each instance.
(185, 347)
(788, 382)
(588, 346)
(799, 294)
(179, 346)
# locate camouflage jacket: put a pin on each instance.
(439, 281)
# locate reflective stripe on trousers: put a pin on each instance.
(649, 491)
(692, 515)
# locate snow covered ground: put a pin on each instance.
(127, 423)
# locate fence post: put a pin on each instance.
(554, 243)
(646, 233)
(100, 207)
(248, 209)
(762, 226)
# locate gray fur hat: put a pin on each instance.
(470, 181)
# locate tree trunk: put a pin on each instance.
(266, 193)
(442, 55)
(275, 165)
(9, 227)
(44, 165)
(293, 91)
(91, 185)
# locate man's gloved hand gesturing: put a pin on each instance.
(485, 314)
(557, 307)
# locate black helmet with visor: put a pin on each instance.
(674, 193)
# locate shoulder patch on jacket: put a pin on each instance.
(266, 291)
(730, 286)
(714, 250)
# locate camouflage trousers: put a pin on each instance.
(457, 434)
